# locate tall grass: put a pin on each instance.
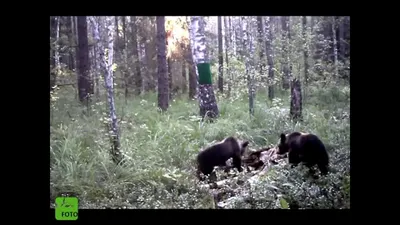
(160, 149)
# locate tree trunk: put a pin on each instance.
(268, 48)
(232, 35)
(153, 49)
(192, 73)
(305, 53)
(75, 47)
(261, 44)
(318, 48)
(84, 80)
(207, 102)
(220, 57)
(341, 40)
(312, 23)
(150, 54)
(70, 33)
(296, 103)
(137, 77)
(227, 42)
(289, 44)
(335, 49)
(116, 39)
(285, 52)
(239, 37)
(55, 65)
(109, 83)
(184, 79)
(193, 77)
(56, 50)
(97, 70)
(162, 64)
(75, 23)
(248, 50)
(305, 49)
(169, 69)
(327, 32)
(126, 71)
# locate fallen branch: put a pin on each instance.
(230, 201)
(66, 84)
(218, 184)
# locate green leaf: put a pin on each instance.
(114, 67)
(284, 204)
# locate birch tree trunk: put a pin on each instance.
(232, 33)
(96, 69)
(261, 49)
(342, 40)
(109, 82)
(56, 51)
(56, 35)
(268, 50)
(285, 53)
(239, 37)
(305, 54)
(193, 73)
(305, 49)
(248, 51)
(335, 48)
(207, 102)
(227, 44)
(220, 57)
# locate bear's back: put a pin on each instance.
(216, 154)
(312, 148)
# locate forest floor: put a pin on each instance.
(160, 151)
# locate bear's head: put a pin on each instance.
(283, 146)
(243, 145)
(285, 140)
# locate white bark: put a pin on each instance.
(191, 39)
(56, 52)
(335, 50)
(247, 52)
(97, 59)
(199, 39)
(207, 101)
(232, 32)
(76, 31)
(108, 71)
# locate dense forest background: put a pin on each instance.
(132, 103)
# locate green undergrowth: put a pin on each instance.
(160, 148)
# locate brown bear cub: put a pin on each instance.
(306, 148)
(219, 153)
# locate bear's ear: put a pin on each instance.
(244, 144)
(283, 137)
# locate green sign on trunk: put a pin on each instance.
(204, 73)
